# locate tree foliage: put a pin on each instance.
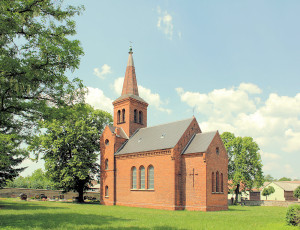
(297, 192)
(269, 178)
(268, 191)
(37, 180)
(35, 53)
(70, 146)
(244, 164)
(285, 179)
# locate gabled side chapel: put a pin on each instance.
(171, 166)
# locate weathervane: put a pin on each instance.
(130, 46)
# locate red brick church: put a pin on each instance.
(170, 166)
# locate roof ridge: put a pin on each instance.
(167, 123)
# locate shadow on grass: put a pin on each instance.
(26, 206)
(59, 220)
(238, 209)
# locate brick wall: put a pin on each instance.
(15, 192)
(163, 194)
(217, 163)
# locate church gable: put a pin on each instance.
(164, 136)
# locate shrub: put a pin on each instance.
(297, 192)
(293, 215)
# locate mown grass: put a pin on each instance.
(16, 214)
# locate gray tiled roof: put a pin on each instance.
(132, 96)
(122, 133)
(200, 142)
(157, 137)
(287, 185)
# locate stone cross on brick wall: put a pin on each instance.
(193, 174)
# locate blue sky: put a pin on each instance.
(235, 63)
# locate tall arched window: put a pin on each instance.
(140, 117)
(106, 164)
(213, 182)
(119, 116)
(150, 177)
(142, 177)
(135, 116)
(123, 115)
(106, 190)
(217, 182)
(133, 177)
(222, 182)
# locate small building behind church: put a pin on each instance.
(172, 166)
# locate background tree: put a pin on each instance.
(269, 178)
(244, 164)
(268, 191)
(285, 179)
(35, 52)
(37, 180)
(70, 146)
(297, 192)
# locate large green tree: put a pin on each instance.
(36, 50)
(244, 166)
(70, 146)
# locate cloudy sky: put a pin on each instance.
(235, 65)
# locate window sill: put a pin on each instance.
(121, 122)
(217, 192)
(146, 190)
(106, 197)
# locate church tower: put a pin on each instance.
(130, 111)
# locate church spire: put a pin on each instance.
(130, 83)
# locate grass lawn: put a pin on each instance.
(16, 214)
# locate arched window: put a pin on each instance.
(135, 116)
(217, 150)
(217, 182)
(106, 164)
(140, 117)
(133, 177)
(150, 177)
(106, 142)
(106, 190)
(213, 182)
(142, 177)
(119, 116)
(123, 115)
(222, 182)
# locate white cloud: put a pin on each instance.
(269, 155)
(152, 98)
(293, 141)
(274, 123)
(96, 98)
(105, 69)
(165, 23)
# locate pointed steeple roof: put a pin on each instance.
(130, 87)
(130, 83)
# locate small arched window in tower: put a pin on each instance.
(123, 115)
(106, 142)
(222, 182)
(150, 177)
(133, 177)
(217, 182)
(140, 117)
(106, 191)
(142, 177)
(213, 182)
(106, 164)
(217, 150)
(119, 117)
(135, 116)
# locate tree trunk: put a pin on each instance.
(80, 194)
(237, 192)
